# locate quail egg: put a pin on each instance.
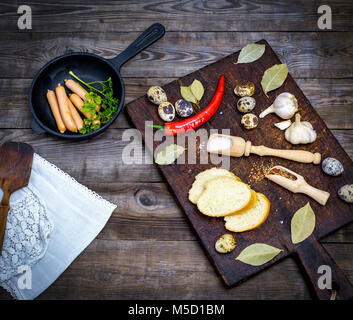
(249, 121)
(246, 104)
(156, 95)
(346, 193)
(166, 111)
(225, 243)
(332, 167)
(246, 89)
(183, 108)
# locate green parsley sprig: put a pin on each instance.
(103, 96)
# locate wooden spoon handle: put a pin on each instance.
(295, 155)
(318, 195)
(319, 266)
(4, 209)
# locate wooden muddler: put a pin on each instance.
(238, 147)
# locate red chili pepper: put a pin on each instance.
(173, 128)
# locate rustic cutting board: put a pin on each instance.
(276, 230)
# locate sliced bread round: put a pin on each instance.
(252, 202)
(223, 196)
(250, 219)
(199, 184)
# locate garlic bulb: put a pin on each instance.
(300, 132)
(285, 106)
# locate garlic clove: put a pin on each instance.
(269, 110)
(283, 125)
(285, 106)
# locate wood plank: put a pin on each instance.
(174, 270)
(89, 161)
(254, 15)
(180, 176)
(331, 98)
(148, 211)
(81, 159)
(308, 54)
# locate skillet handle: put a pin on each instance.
(148, 37)
(312, 255)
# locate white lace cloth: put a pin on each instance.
(49, 224)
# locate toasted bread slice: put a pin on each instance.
(253, 201)
(223, 196)
(199, 184)
(250, 219)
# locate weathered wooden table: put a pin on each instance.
(148, 250)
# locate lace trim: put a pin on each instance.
(91, 194)
(10, 290)
(26, 237)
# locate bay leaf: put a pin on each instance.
(169, 154)
(302, 224)
(258, 254)
(250, 53)
(197, 89)
(187, 94)
(274, 77)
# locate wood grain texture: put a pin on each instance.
(331, 98)
(185, 15)
(98, 168)
(181, 176)
(109, 270)
(163, 259)
(307, 54)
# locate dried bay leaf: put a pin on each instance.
(302, 224)
(187, 94)
(169, 154)
(250, 53)
(258, 254)
(274, 77)
(197, 89)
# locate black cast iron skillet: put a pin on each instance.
(88, 67)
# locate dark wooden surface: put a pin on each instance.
(148, 249)
(283, 203)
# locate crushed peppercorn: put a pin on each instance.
(283, 173)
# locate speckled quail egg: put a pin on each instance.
(246, 104)
(332, 167)
(166, 111)
(249, 121)
(246, 89)
(156, 95)
(346, 193)
(183, 108)
(225, 243)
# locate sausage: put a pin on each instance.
(75, 115)
(76, 88)
(54, 106)
(65, 108)
(78, 103)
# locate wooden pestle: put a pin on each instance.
(239, 147)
